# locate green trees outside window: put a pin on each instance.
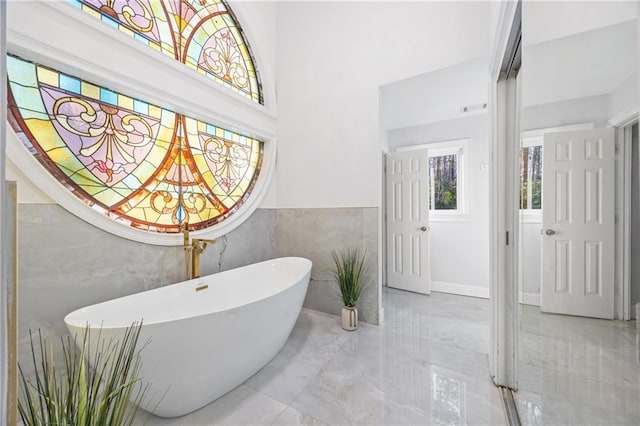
(531, 178)
(443, 179)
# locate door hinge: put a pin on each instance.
(616, 147)
(507, 237)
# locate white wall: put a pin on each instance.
(586, 64)
(332, 58)
(28, 192)
(625, 96)
(543, 21)
(459, 250)
(593, 108)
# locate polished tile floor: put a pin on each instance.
(426, 365)
(578, 371)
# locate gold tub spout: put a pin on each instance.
(193, 248)
(198, 246)
(188, 250)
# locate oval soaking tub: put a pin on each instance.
(204, 336)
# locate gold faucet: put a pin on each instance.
(192, 250)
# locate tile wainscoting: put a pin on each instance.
(65, 263)
(313, 233)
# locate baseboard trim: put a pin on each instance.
(532, 299)
(460, 289)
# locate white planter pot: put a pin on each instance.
(349, 318)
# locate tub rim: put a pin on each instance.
(102, 326)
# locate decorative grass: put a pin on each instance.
(93, 389)
(349, 271)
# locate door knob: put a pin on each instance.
(423, 228)
(550, 232)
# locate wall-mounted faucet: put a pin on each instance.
(193, 248)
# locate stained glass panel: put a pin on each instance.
(226, 161)
(204, 35)
(136, 162)
(144, 20)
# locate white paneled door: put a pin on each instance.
(408, 221)
(578, 223)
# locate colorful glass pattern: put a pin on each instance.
(204, 35)
(138, 163)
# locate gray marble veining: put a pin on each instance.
(376, 375)
(314, 340)
(313, 233)
(291, 416)
(577, 371)
(251, 242)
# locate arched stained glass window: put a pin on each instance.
(202, 34)
(138, 163)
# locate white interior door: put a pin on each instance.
(578, 223)
(408, 221)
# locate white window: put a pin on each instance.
(447, 178)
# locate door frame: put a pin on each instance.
(503, 209)
(623, 124)
(7, 345)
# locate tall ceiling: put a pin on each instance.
(578, 49)
(589, 63)
(435, 96)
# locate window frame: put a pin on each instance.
(460, 148)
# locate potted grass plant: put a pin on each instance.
(92, 388)
(349, 271)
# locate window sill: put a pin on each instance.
(530, 216)
(450, 217)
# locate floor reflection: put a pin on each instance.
(448, 399)
(578, 371)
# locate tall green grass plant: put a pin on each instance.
(93, 388)
(349, 272)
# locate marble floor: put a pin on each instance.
(427, 364)
(578, 371)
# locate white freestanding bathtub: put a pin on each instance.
(203, 343)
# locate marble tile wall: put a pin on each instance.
(65, 264)
(313, 233)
